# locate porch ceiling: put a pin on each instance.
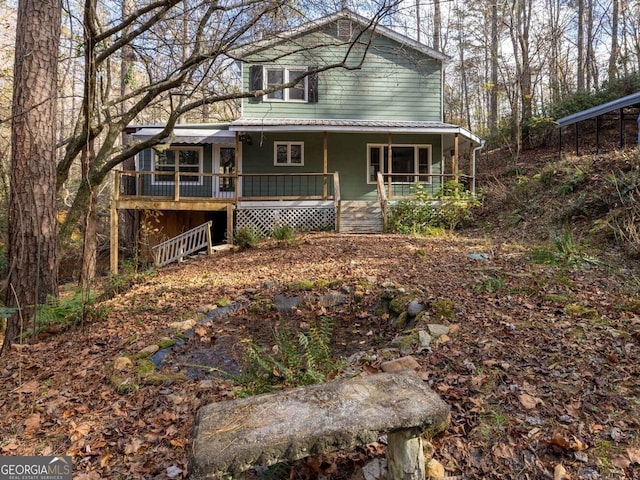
(348, 126)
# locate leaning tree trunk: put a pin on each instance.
(32, 250)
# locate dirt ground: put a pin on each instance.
(541, 371)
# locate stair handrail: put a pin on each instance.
(382, 198)
(178, 247)
(336, 198)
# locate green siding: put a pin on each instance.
(347, 155)
(394, 83)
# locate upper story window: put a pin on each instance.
(305, 90)
(275, 76)
(414, 161)
(288, 153)
(187, 160)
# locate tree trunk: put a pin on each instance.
(581, 52)
(129, 218)
(493, 95)
(437, 24)
(613, 58)
(90, 240)
(32, 251)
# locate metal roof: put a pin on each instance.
(348, 126)
(189, 135)
(593, 112)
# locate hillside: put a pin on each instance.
(539, 365)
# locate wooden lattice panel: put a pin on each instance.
(264, 220)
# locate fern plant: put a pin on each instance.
(294, 360)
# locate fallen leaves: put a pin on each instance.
(80, 431)
(529, 402)
(529, 387)
(32, 424)
(567, 441)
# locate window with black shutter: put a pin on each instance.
(255, 82)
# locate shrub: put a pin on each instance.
(247, 237)
(283, 232)
(450, 207)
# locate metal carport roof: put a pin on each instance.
(593, 112)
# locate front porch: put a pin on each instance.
(304, 201)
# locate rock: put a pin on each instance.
(442, 339)
(206, 308)
(455, 328)
(437, 330)
(183, 326)
(149, 350)
(376, 469)
(402, 363)
(122, 363)
(478, 256)
(285, 304)
(333, 299)
(405, 344)
(173, 471)
(424, 339)
(402, 320)
(399, 303)
(414, 308)
(435, 470)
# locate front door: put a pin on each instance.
(224, 164)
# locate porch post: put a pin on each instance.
(230, 224)
(236, 184)
(471, 172)
(113, 244)
(325, 166)
(389, 163)
(456, 154)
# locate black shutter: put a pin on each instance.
(255, 82)
(313, 86)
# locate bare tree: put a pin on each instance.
(613, 56)
(493, 85)
(32, 253)
(203, 74)
(580, 72)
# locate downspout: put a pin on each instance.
(473, 167)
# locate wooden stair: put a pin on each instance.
(360, 217)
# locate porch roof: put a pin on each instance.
(348, 126)
(189, 135)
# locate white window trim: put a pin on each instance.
(416, 160)
(200, 151)
(285, 91)
(288, 164)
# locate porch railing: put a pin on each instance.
(403, 185)
(178, 186)
(176, 248)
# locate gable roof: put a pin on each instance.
(598, 110)
(347, 14)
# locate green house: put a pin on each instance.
(341, 117)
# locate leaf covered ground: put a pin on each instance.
(541, 370)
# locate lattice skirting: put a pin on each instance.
(265, 219)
